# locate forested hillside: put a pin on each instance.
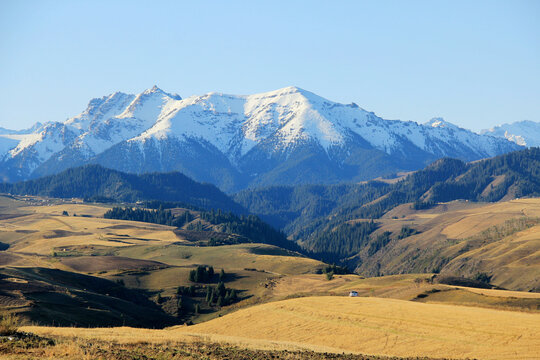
(98, 183)
(317, 215)
(250, 228)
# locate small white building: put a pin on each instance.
(353, 293)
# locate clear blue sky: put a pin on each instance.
(475, 63)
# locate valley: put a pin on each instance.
(67, 265)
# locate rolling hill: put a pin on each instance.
(51, 296)
(385, 327)
(54, 252)
(341, 327)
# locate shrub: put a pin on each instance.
(9, 324)
(483, 277)
(338, 270)
(329, 276)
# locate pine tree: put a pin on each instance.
(180, 305)
(222, 275)
(221, 289)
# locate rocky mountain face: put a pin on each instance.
(287, 136)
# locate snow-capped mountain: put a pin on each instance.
(286, 136)
(9, 139)
(525, 133)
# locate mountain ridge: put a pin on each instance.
(285, 136)
(308, 213)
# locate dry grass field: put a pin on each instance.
(413, 287)
(148, 257)
(375, 326)
(31, 346)
(284, 304)
(386, 327)
(452, 240)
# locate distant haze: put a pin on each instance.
(473, 63)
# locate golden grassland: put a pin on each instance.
(455, 231)
(30, 346)
(41, 233)
(80, 243)
(502, 293)
(459, 220)
(386, 327)
(359, 325)
(415, 287)
(285, 305)
(127, 335)
(227, 256)
(44, 230)
(144, 256)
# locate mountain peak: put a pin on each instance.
(156, 90)
(152, 90)
(294, 90)
(439, 122)
(524, 133)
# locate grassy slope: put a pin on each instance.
(447, 242)
(413, 287)
(386, 326)
(144, 256)
(151, 257)
(50, 296)
(365, 325)
(34, 347)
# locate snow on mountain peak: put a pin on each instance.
(236, 123)
(524, 133)
(277, 121)
(439, 122)
(156, 90)
(153, 89)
